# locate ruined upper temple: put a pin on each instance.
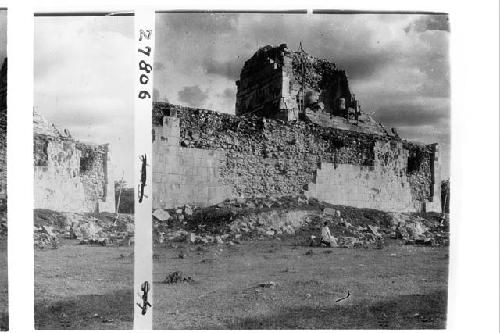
(334, 152)
(279, 83)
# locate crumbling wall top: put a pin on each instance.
(277, 82)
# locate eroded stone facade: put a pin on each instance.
(70, 176)
(279, 83)
(298, 129)
(203, 157)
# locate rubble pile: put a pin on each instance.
(349, 235)
(236, 220)
(232, 220)
(45, 238)
(414, 229)
(89, 229)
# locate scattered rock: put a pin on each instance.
(192, 238)
(161, 215)
(257, 218)
(374, 230)
(330, 211)
(45, 239)
(87, 230)
(177, 277)
(188, 211)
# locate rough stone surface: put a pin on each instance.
(239, 220)
(224, 156)
(161, 215)
(279, 83)
(70, 176)
(298, 130)
(103, 229)
(381, 186)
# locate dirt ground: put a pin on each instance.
(4, 296)
(84, 287)
(397, 287)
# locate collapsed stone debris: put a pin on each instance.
(45, 238)
(103, 229)
(277, 218)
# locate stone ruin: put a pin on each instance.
(278, 83)
(70, 176)
(298, 130)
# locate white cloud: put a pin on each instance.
(84, 80)
(393, 61)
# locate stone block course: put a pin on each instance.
(70, 176)
(256, 157)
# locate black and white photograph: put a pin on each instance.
(4, 299)
(83, 130)
(218, 165)
(301, 170)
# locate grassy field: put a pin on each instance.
(84, 287)
(4, 296)
(397, 287)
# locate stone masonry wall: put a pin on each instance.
(93, 170)
(382, 186)
(71, 176)
(258, 157)
(57, 184)
(260, 91)
(184, 175)
(279, 83)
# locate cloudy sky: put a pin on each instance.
(84, 81)
(397, 64)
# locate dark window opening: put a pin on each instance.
(86, 162)
(415, 160)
